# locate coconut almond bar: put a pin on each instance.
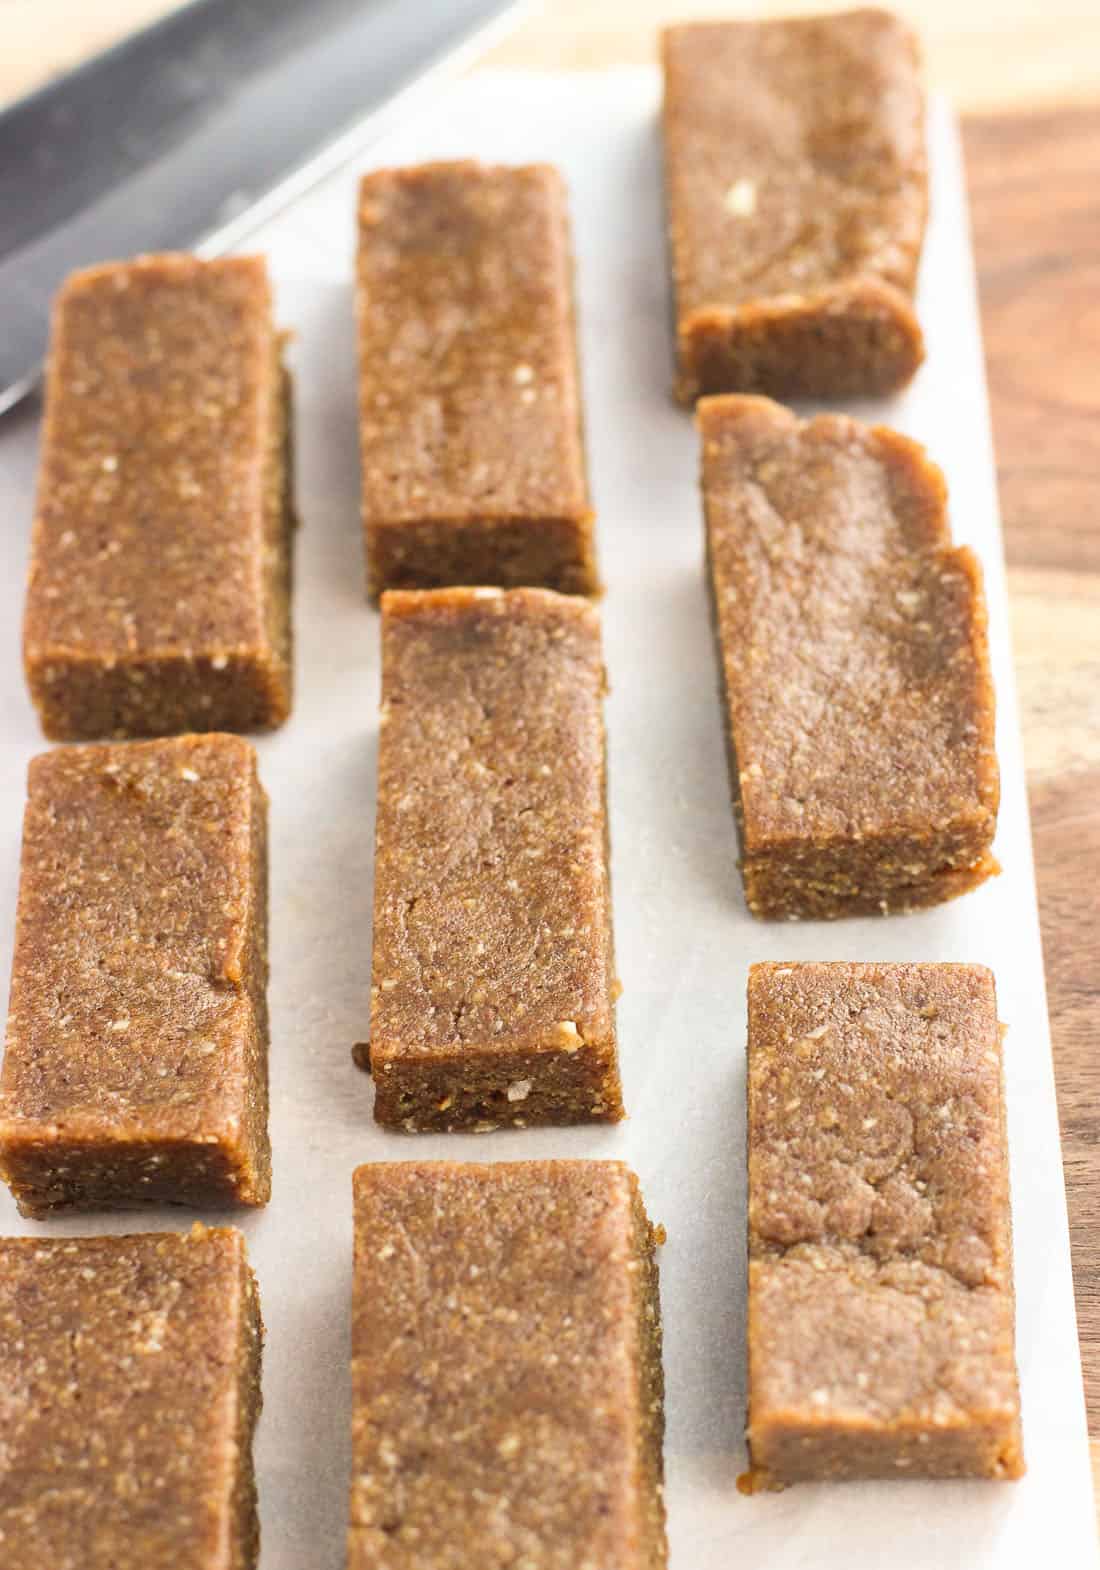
(470, 400)
(158, 599)
(881, 1308)
(506, 1368)
(131, 1375)
(493, 990)
(852, 648)
(797, 194)
(136, 1062)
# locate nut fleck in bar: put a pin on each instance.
(493, 990)
(852, 647)
(159, 592)
(797, 196)
(131, 1375)
(881, 1306)
(472, 448)
(506, 1368)
(136, 1062)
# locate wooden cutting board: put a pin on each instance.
(1036, 223)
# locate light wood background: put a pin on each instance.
(985, 53)
(1026, 74)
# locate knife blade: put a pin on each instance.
(197, 129)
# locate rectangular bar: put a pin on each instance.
(854, 662)
(507, 1389)
(797, 193)
(470, 398)
(493, 981)
(136, 1062)
(131, 1372)
(881, 1308)
(158, 599)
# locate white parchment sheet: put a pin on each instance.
(683, 937)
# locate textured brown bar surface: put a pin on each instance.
(158, 599)
(470, 402)
(797, 195)
(881, 1305)
(493, 983)
(854, 664)
(136, 1062)
(506, 1369)
(131, 1375)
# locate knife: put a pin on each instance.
(195, 130)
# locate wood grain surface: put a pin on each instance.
(1026, 73)
(1037, 234)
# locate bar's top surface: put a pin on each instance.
(134, 953)
(853, 633)
(496, 1346)
(879, 1224)
(470, 403)
(492, 905)
(118, 1362)
(794, 156)
(148, 534)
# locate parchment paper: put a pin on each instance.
(683, 937)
